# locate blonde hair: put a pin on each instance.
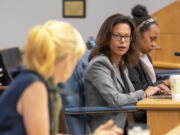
(51, 42)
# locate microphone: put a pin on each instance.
(177, 53)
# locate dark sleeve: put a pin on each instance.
(157, 82)
(136, 77)
(160, 78)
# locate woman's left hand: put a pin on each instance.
(164, 89)
(108, 129)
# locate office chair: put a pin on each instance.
(4, 76)
(11, 58)
(90, 42)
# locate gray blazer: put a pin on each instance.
(103, 87)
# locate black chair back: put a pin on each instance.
(11, 58)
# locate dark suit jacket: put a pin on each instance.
(140, 77)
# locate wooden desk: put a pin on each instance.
(162, 114)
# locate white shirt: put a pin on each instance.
(146, 63)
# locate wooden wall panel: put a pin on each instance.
(168, 19)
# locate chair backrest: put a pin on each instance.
(4, 76)
(91, 42)
(5, 79)
(11, 58)
(75, 85)
(75, 98)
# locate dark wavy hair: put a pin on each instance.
(140, 14)
(104, 35)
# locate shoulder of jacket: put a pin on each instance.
(100, 61)
(100, 58)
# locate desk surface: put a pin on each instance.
(159, 104)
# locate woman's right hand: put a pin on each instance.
(151, 91)
(108, 129)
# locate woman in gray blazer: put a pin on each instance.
(106, 80)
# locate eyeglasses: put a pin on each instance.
(117, 36)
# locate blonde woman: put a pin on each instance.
(52, 50)
(30, 105)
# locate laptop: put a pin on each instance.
(162, 96)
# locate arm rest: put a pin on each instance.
(98, 109)
(168, 72)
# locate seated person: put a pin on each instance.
(106, 79)
(30, 105)
(143, 74)
(26, 105)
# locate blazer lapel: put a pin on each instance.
(118, 76)
(130, 85)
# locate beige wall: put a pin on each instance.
(18, 16)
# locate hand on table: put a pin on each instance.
(164, 89)
(150, 91)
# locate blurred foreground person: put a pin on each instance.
(31, 104)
